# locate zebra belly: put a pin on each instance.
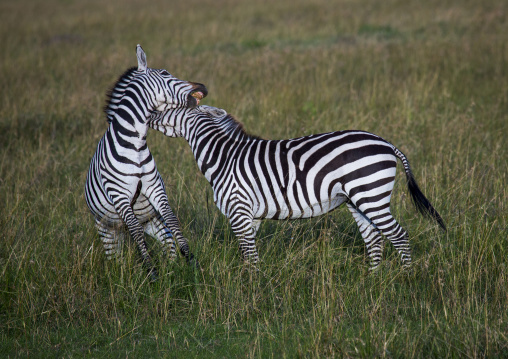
(307, 211)
(318, 209)
(296, 201)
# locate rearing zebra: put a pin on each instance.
(255, 179)
(123, 186)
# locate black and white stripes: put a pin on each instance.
(255, 179)
(123, 186)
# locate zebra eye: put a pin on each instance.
(164, 72)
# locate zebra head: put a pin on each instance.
(157, 88)
(174, 122)
(164, 91)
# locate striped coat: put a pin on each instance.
(255, 179)
(123, 187)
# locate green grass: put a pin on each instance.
(431, 77)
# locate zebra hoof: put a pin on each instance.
(193, 261)
(252, 267)
(154, 276)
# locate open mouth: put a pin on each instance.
(198, 93)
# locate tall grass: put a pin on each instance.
(431, 77)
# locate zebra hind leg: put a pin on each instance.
(396, 234)
(112, 239)
(159, 200)
(156, 228)
(137, 233)
(373, 239)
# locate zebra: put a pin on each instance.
(255, 179)
(123, 187)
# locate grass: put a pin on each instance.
(431, 77)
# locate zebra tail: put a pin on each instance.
(420, 201)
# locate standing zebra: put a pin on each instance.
(255, 179)
(123, 186)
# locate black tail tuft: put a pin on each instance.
(421, 202)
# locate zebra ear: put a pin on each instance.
(142, 66)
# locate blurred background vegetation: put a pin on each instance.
(431, 77)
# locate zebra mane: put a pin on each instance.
(115, 94)
(234, 128)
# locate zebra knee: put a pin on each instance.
(375, 259)
(374, 244)
(143, 250)
(375, 254)
(400, 240)
(402, 245)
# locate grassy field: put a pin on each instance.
(431, 77)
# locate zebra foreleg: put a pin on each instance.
(157, 229)
(245, 230)
(157, 196)
(172, 222)
(371, 236)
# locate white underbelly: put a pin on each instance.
(282, 211)
(318, 209)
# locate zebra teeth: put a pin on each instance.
(198, 95)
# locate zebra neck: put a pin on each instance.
(129, 132)
(132, 116)
(215, 151)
